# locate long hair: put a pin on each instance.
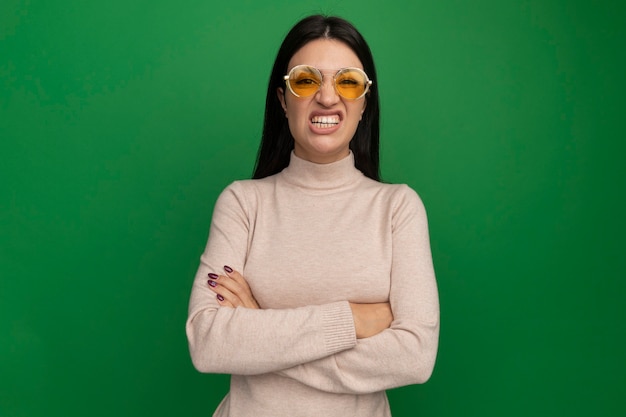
(277, 141)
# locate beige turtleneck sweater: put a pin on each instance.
(309, 240)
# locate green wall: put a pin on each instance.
(120, 122)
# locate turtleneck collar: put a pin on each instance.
(312, 176)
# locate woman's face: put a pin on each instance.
(323, 124)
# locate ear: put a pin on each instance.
(280, 92)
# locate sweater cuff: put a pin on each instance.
(338, 325)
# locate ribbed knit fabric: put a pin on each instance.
(308, 241)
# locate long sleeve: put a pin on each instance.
(405, 353)
(310, 240)
(247, 341)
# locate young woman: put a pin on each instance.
(316, 290)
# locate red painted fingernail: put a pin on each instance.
(213, 276)
(219, 297)
(228, 269)
(212, 283)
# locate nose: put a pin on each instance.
(327, 95)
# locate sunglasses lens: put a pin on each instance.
(304, 81)
(351, 83)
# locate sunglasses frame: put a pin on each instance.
(368, 82)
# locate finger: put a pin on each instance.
(242, 294)
(238, 285)
(237, 277)
(223, 302)
(230, 284)
(224, 296)
(227, 296)
(247, 295)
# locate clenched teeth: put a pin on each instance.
(325, 121)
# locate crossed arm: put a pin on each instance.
(339, 347)
(232, 290)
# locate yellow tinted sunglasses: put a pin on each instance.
(305, 80)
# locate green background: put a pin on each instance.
(121, 121)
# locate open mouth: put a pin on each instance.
(324, 122)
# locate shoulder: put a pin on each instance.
(234, 195)
(397, 194)
(240, 187)
(402, 203)
(244, 193)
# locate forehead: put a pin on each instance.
(326, 54)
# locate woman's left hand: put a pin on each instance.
(232, 289)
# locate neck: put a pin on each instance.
(316, 176)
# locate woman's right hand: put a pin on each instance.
(371, 319)
(232, 289)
